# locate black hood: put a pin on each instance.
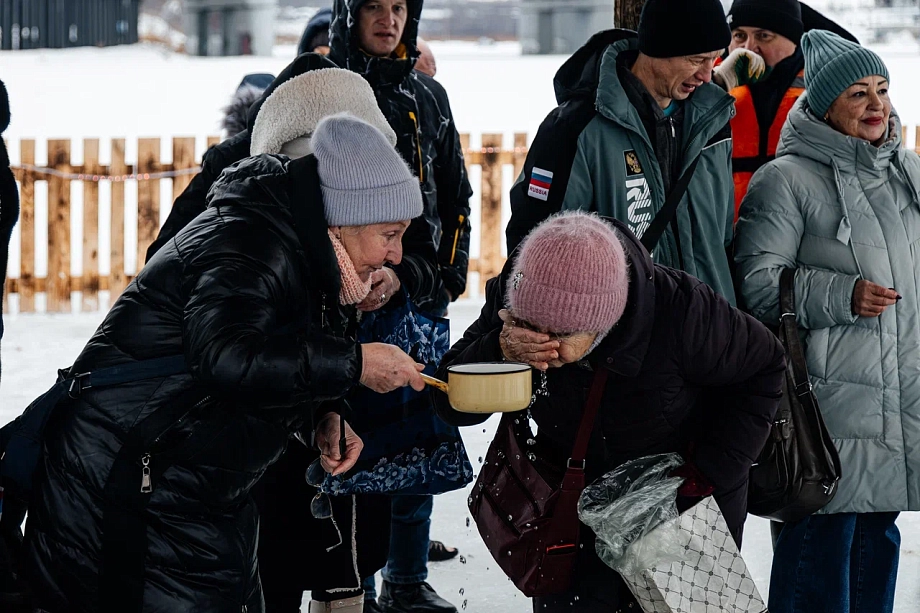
(579, 74)
(814, 20)
(346, 52)
(303, 64)
(319, 22)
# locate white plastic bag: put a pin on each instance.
(630, 502)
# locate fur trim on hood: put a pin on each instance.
(295, 107)
(236, 114)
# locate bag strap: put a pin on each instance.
(653, 234)
(790, 333)
(590, 415)
(124, 373)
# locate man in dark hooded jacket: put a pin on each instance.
(378, 39)
(315, 37)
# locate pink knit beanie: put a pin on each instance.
(571, 275)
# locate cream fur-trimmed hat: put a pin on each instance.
(294, 109)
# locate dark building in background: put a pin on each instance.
(55, 24)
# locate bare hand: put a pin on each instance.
(384, 285)
(387, 367)
(327, 440)
(522, 345)
(871, 300)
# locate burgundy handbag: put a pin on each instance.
(531, 526)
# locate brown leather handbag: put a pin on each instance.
(529, 525)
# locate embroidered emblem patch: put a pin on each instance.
(540, 183)
(633, 167)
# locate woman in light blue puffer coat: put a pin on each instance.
(840, 205)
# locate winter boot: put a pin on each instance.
(414, 598)
(354, 604)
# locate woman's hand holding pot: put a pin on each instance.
(520, 344)
(387, 367)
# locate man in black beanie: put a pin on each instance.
(764, 72)
(635, 113)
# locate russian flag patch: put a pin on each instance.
(540, 182)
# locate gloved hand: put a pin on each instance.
(741, 67)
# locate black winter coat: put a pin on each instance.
(688, 372)
(248, 292)
(9, 195)
(418, 271)
(418, 110)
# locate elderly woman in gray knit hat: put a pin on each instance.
(840, 206)
(142, 500)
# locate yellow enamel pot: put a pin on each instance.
(501, 387)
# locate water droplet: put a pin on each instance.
(531, 441)
(528, 525)
(510, 518)
(480, 459)
(517, 421)
(467, 522)
(517, 457)
(462, 560)
(576, 598)
(463, 606)
(509, 553)
(533, 458)
(462, 591)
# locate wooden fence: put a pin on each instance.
(59, 172)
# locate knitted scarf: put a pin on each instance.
(354, 290)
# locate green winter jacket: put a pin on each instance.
(615, 172)
(838, 210)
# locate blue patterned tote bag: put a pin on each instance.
(408, 449)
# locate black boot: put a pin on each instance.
(371, 606)
(415, 598)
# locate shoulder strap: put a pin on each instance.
(127, 373)
(587, 420)
(790, 332)
(652, 236)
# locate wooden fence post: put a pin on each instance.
(148, 197)
(27, 229)
(183, 159)
(117, 278)
(626, 13)
(57, 283)
(90, 286)
(490, 254)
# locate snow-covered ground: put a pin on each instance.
(35, 346)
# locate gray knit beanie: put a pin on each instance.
(363, 178)
(832, 64)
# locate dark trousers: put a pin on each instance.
(840, 563)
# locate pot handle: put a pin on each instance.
(435, 383)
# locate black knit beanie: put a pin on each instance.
(675, 28)
(781, 16)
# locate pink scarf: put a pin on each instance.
(354, 290)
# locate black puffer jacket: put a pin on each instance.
(677, 341)
(417, 108)
(419, 271)
(248, 293)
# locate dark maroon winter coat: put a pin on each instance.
(687, 371)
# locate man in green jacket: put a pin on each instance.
(634, 113)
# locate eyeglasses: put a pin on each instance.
(321, 505)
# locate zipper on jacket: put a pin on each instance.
(453, 254)
(146, 479)
(418, 144)
(146, 485)
(322, 310)
(673, 131)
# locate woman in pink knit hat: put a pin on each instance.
(580, 294)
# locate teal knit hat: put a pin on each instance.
(832, 64)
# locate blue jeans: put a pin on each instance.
(409, 528)
(842, 563)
